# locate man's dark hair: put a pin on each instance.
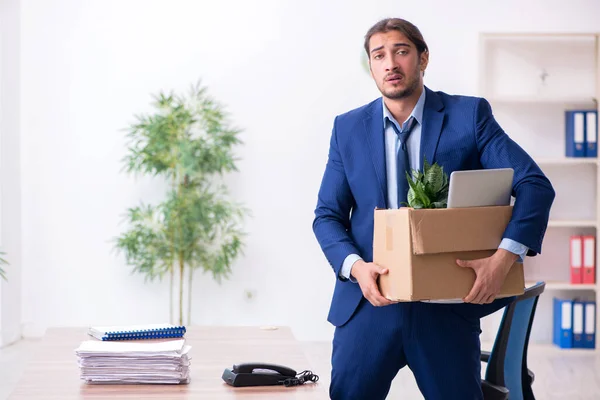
(409, 30)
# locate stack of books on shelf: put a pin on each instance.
(150, 354)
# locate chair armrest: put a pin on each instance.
(485, 356)
(493, 392)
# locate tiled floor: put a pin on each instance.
(560, 374)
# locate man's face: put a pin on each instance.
(395, 64)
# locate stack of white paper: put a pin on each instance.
(165, 362)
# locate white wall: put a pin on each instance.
(10, 171)
(283, 69)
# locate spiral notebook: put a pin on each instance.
(137, 332)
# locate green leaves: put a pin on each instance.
(146, 244)
(188, 141)
(3, 262)
(185, 135)
(428, 189)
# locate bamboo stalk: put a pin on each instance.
(171, 265)
(171, 295)
(189, 310)
(181, 267)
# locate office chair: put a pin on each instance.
(507, 370)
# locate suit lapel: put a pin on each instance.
(433, 119)
(373, 124)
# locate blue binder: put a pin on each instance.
(563, 323)
(578, 324)
(137, 332)
(589, 325)
(575, 133)
(591, 134)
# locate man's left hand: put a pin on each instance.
(490, 275)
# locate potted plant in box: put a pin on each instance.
(428, 189)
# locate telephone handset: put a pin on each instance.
(262, 374)
(264, 368)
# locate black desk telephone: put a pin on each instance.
(257, 374)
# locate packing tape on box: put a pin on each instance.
(389, 238)
(389, 232)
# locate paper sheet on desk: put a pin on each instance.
(132, 349)
(110, 362)
(139, 381)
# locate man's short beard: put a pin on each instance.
(403, 93)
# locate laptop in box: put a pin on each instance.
(480, 188)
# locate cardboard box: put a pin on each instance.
(420, 248)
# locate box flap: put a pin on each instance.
(458, 229)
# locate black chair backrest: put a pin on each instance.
(507, 365)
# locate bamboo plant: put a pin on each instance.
(187, 141)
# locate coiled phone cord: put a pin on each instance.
(301, 378)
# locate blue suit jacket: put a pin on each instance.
(459, 133)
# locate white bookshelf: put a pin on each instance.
(530, 80)
(524, 100)
(566, 161)
(565, 286)
(553, 223)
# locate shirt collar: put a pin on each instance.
(417, 112)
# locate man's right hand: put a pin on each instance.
(366, 275)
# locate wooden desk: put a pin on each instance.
(53, 372)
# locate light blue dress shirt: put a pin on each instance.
(392, 144)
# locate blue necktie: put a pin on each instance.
(402, 160)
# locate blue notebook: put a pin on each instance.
(137, 332)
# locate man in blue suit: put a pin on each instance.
(371, 148)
